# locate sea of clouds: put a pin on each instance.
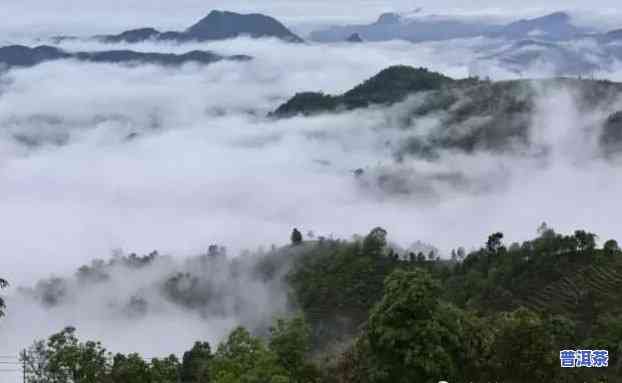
(96, 157)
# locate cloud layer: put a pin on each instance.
(96, 157)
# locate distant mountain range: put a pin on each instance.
(391, 26)
(553, 58)
(217, 25)
(22, 56)
(550, 45)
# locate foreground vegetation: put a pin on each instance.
(370, 313)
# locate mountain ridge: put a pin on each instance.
(389, 26)
(23, 56)
(217, 25)
(473, 113)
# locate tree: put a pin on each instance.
(64, 359)
(3, 285)
(461, 254)
(290, 341)
(420, 257)
(494, 244)
(586, 241)
(524, 348)
(607, 335)
(75, 361)
(431, 256)
(245, 358)
(165, 370)
(413, 336)
(375, 242)
(494, 249)
(132, 368)
(296, 237)
(35, 360)
(611, 247)
(195, 364)
(355, 364)
(543, 229)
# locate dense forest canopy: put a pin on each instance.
(363, 311)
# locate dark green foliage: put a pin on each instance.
(611, 247)
(413, 336)
(504, 279)
(245, 358)
(242, 357)
(290, 341)
(499, 314)
(387, 87)
(63, 358)
(514, 308)
(524, 349)
(336, 283)
(195, 363)
(375, 242)
(132, 368)
(392, 85)
(165, 370)
(585, 241)
(607, 335)
(296, 237)
(307, 103)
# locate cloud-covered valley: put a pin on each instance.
(97, 157)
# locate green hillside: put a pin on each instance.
(387, 87)
(363, 312)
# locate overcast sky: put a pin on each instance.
(25, 17)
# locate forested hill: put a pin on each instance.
(370, 313)
(470, 113)
(387, 87)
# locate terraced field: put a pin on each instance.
(584, 292)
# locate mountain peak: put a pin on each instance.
(556, 26)
(217, 25)
(225, 24)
